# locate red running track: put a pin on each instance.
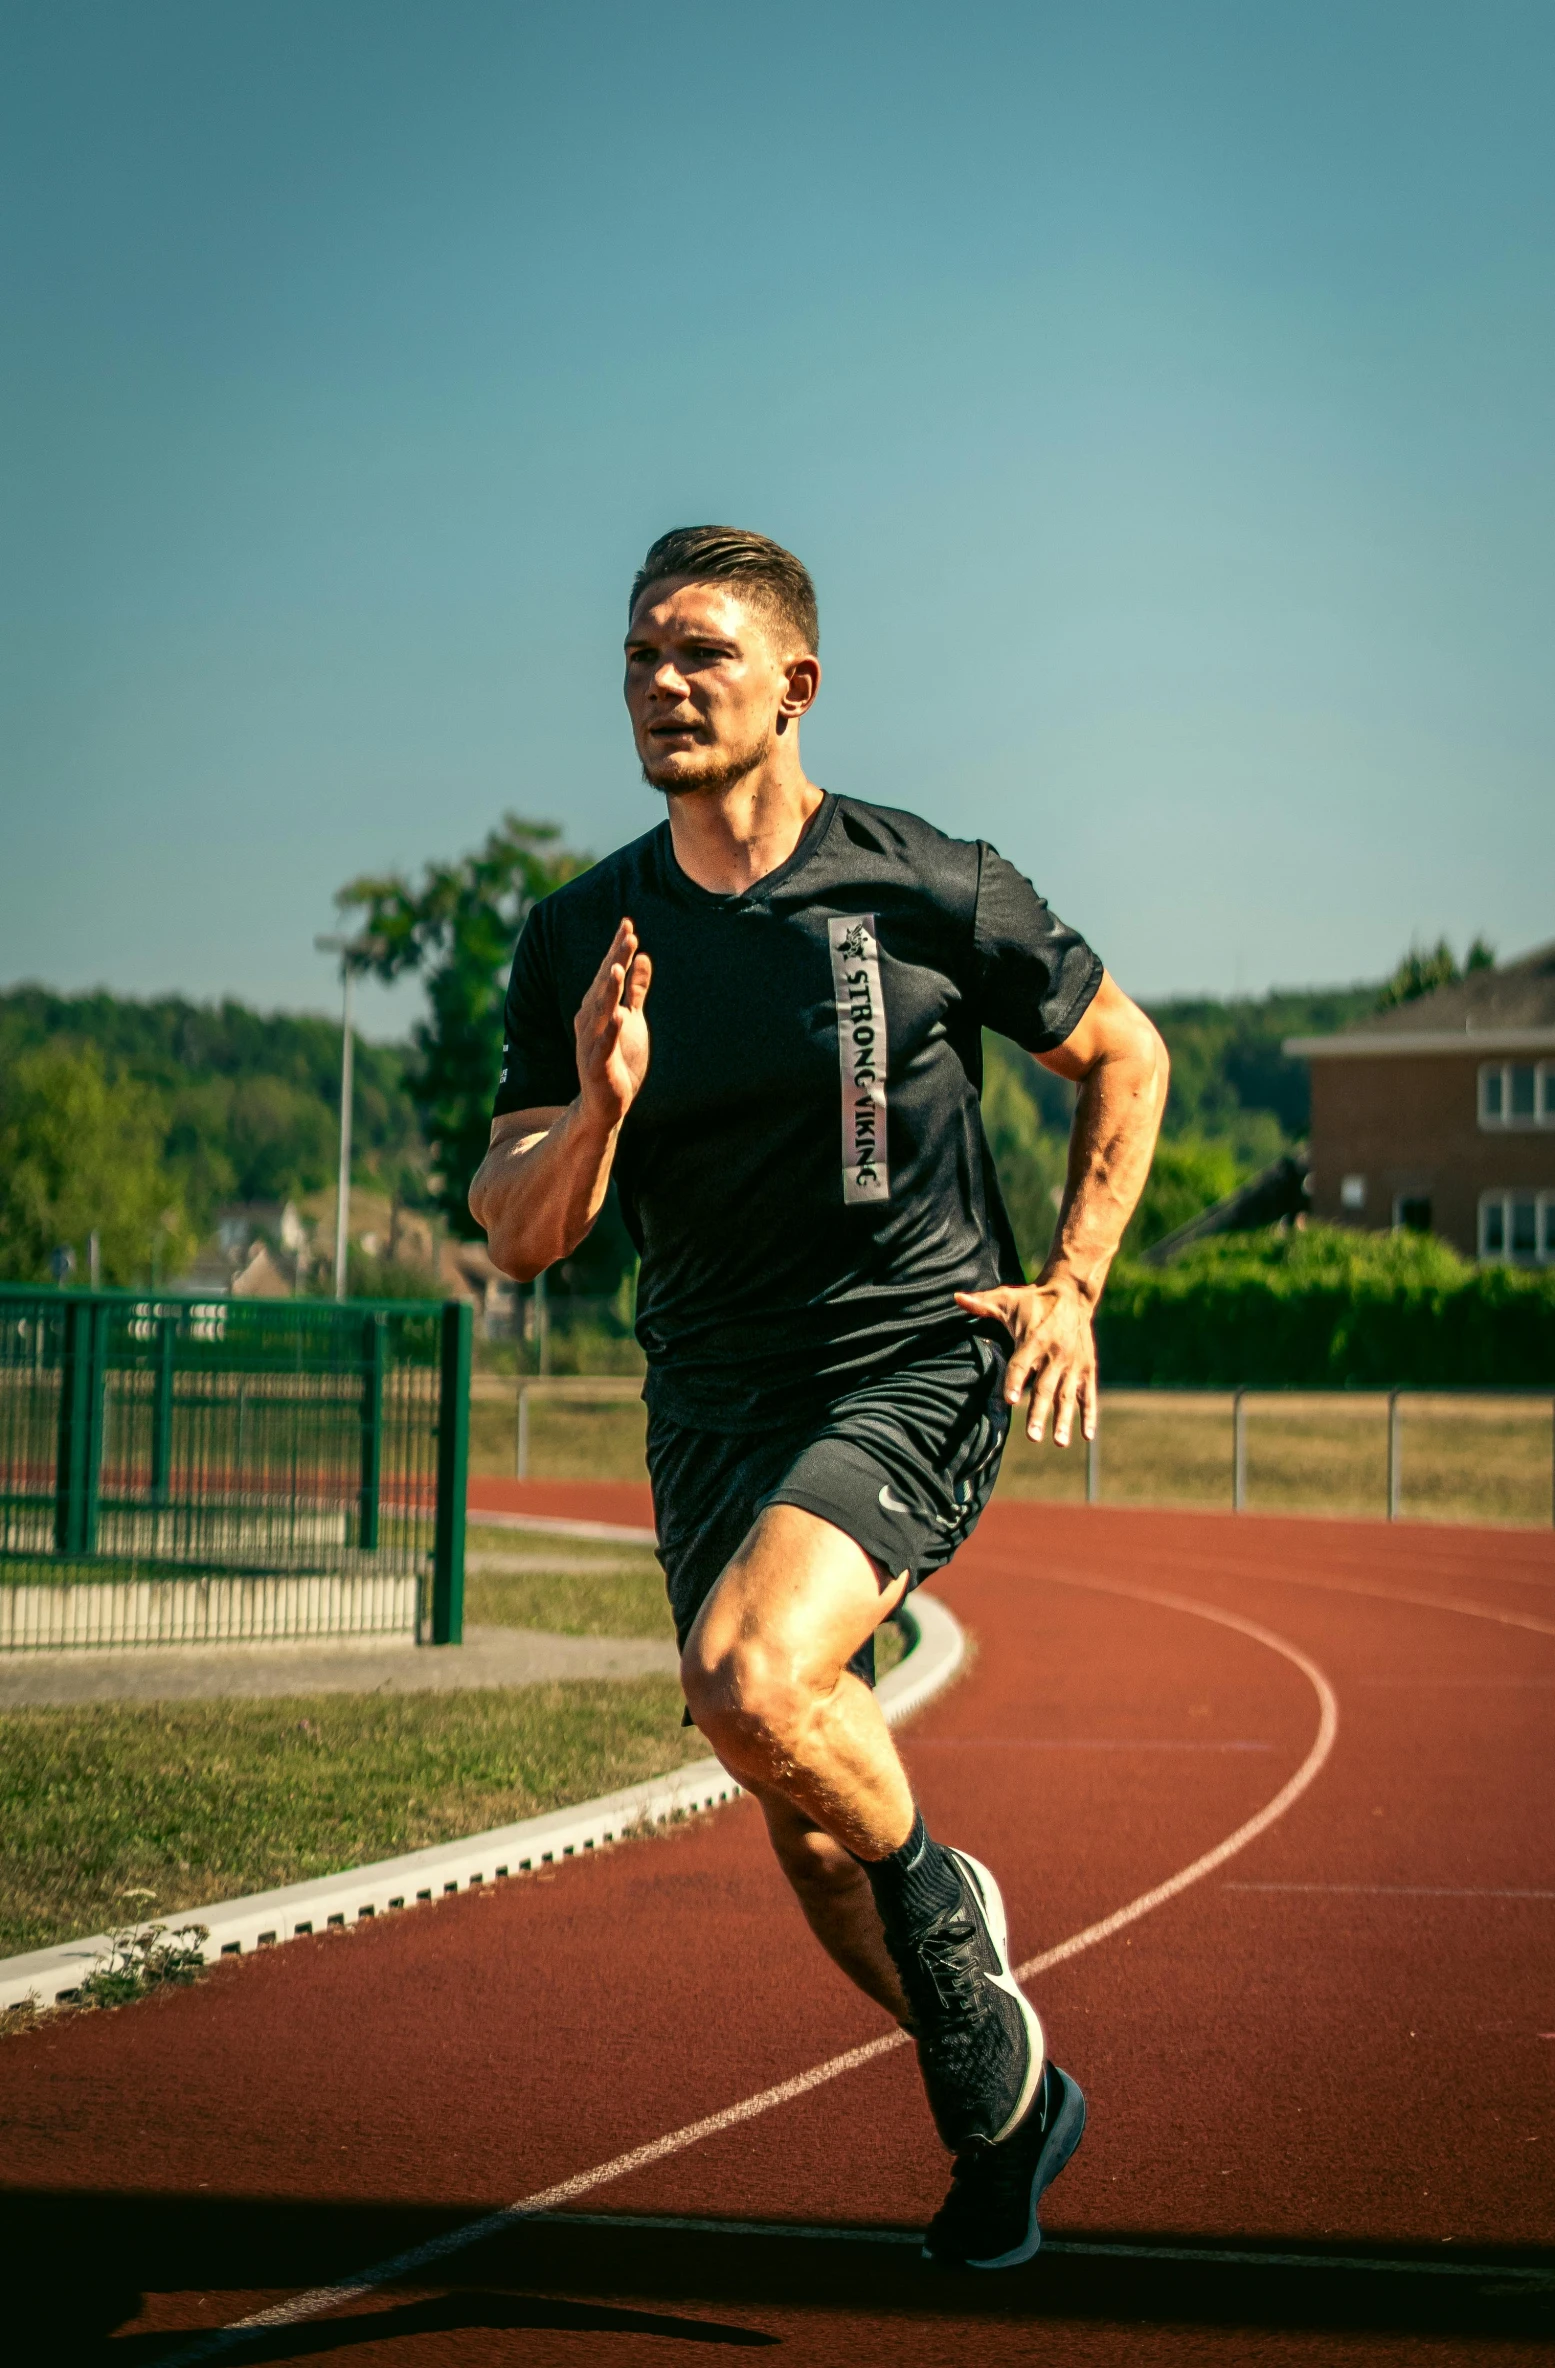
(1335, 2048)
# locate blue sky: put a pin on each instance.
(1160, 395)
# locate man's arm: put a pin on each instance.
(542, 1182)
(1119, 1063)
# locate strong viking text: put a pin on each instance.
(861, 1055)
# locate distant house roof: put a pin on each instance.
(465, 1271)
(263, 1277)
(1279, 1193)
(1509, 1009)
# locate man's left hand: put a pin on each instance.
(1054, 1354)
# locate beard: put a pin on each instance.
(716, 778)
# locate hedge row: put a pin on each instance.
(1326, 1309)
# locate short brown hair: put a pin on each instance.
(731, 555)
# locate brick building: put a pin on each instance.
(1440, 1114)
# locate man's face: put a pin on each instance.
(707, 678)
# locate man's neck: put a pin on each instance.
(728, 839)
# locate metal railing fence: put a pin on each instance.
(1253, 1409)
(1406, 1453)
(179, 1470)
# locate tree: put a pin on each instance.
(81, 1152)
(249, 1100)
(1187, 1176)
(1031, 1158)
(1423, 970)
(457, 930)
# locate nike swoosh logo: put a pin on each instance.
(892, 1504)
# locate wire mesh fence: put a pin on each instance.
(177, 1470)
(1431, 1455)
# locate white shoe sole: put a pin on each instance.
(991, 1901)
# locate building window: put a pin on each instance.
(1519, 1226)
(1517, 1093)
(1352, 1192)
(1412, 1212)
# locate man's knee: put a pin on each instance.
(745, 1697)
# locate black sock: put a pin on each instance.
(915, 1883)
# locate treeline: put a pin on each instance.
(251, 1099)
(1236, 1101)
(1233, 1086)
(192, 1105)
(1231, 1083)
(226, 1104)
(138, 1120)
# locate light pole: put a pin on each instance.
(345, 949)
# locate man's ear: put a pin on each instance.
(803, 677)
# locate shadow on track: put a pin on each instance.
(383, 2321)
(96, 2255)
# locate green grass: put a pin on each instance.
(198, 1801)
(598, 1591)
(513, 1581)
(890, 1645)
(598, 1441)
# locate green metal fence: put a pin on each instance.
(184, 1470)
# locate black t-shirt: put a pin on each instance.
(804, 1171)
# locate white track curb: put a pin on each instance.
(236, 1926)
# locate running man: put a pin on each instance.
(764, 1019)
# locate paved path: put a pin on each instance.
(488, 1657)
(1320, 2069)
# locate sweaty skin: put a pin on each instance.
(715, 689)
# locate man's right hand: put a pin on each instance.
(612, 1031)
(543, 1181)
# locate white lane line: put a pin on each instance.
(382, 2273)
(1470, 1608)
(1530, 2273)
(1392, 1890)
(1288, 1794)
(1079, 1743)
(1525, 1578)
(547, 1525)
(1429, 1603)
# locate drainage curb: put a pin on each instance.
(266, 1918)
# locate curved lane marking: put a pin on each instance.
(1429, 1603)
(550, 2199)
(1288, 1794)
(1470, 1609)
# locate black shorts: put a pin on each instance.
(903, 1464)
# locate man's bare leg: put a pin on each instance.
(839, 1907)
(766, 1677)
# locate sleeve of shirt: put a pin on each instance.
(1035, 976)
(539, 1055)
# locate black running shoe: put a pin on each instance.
(979, 2042)
(989, 2218)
